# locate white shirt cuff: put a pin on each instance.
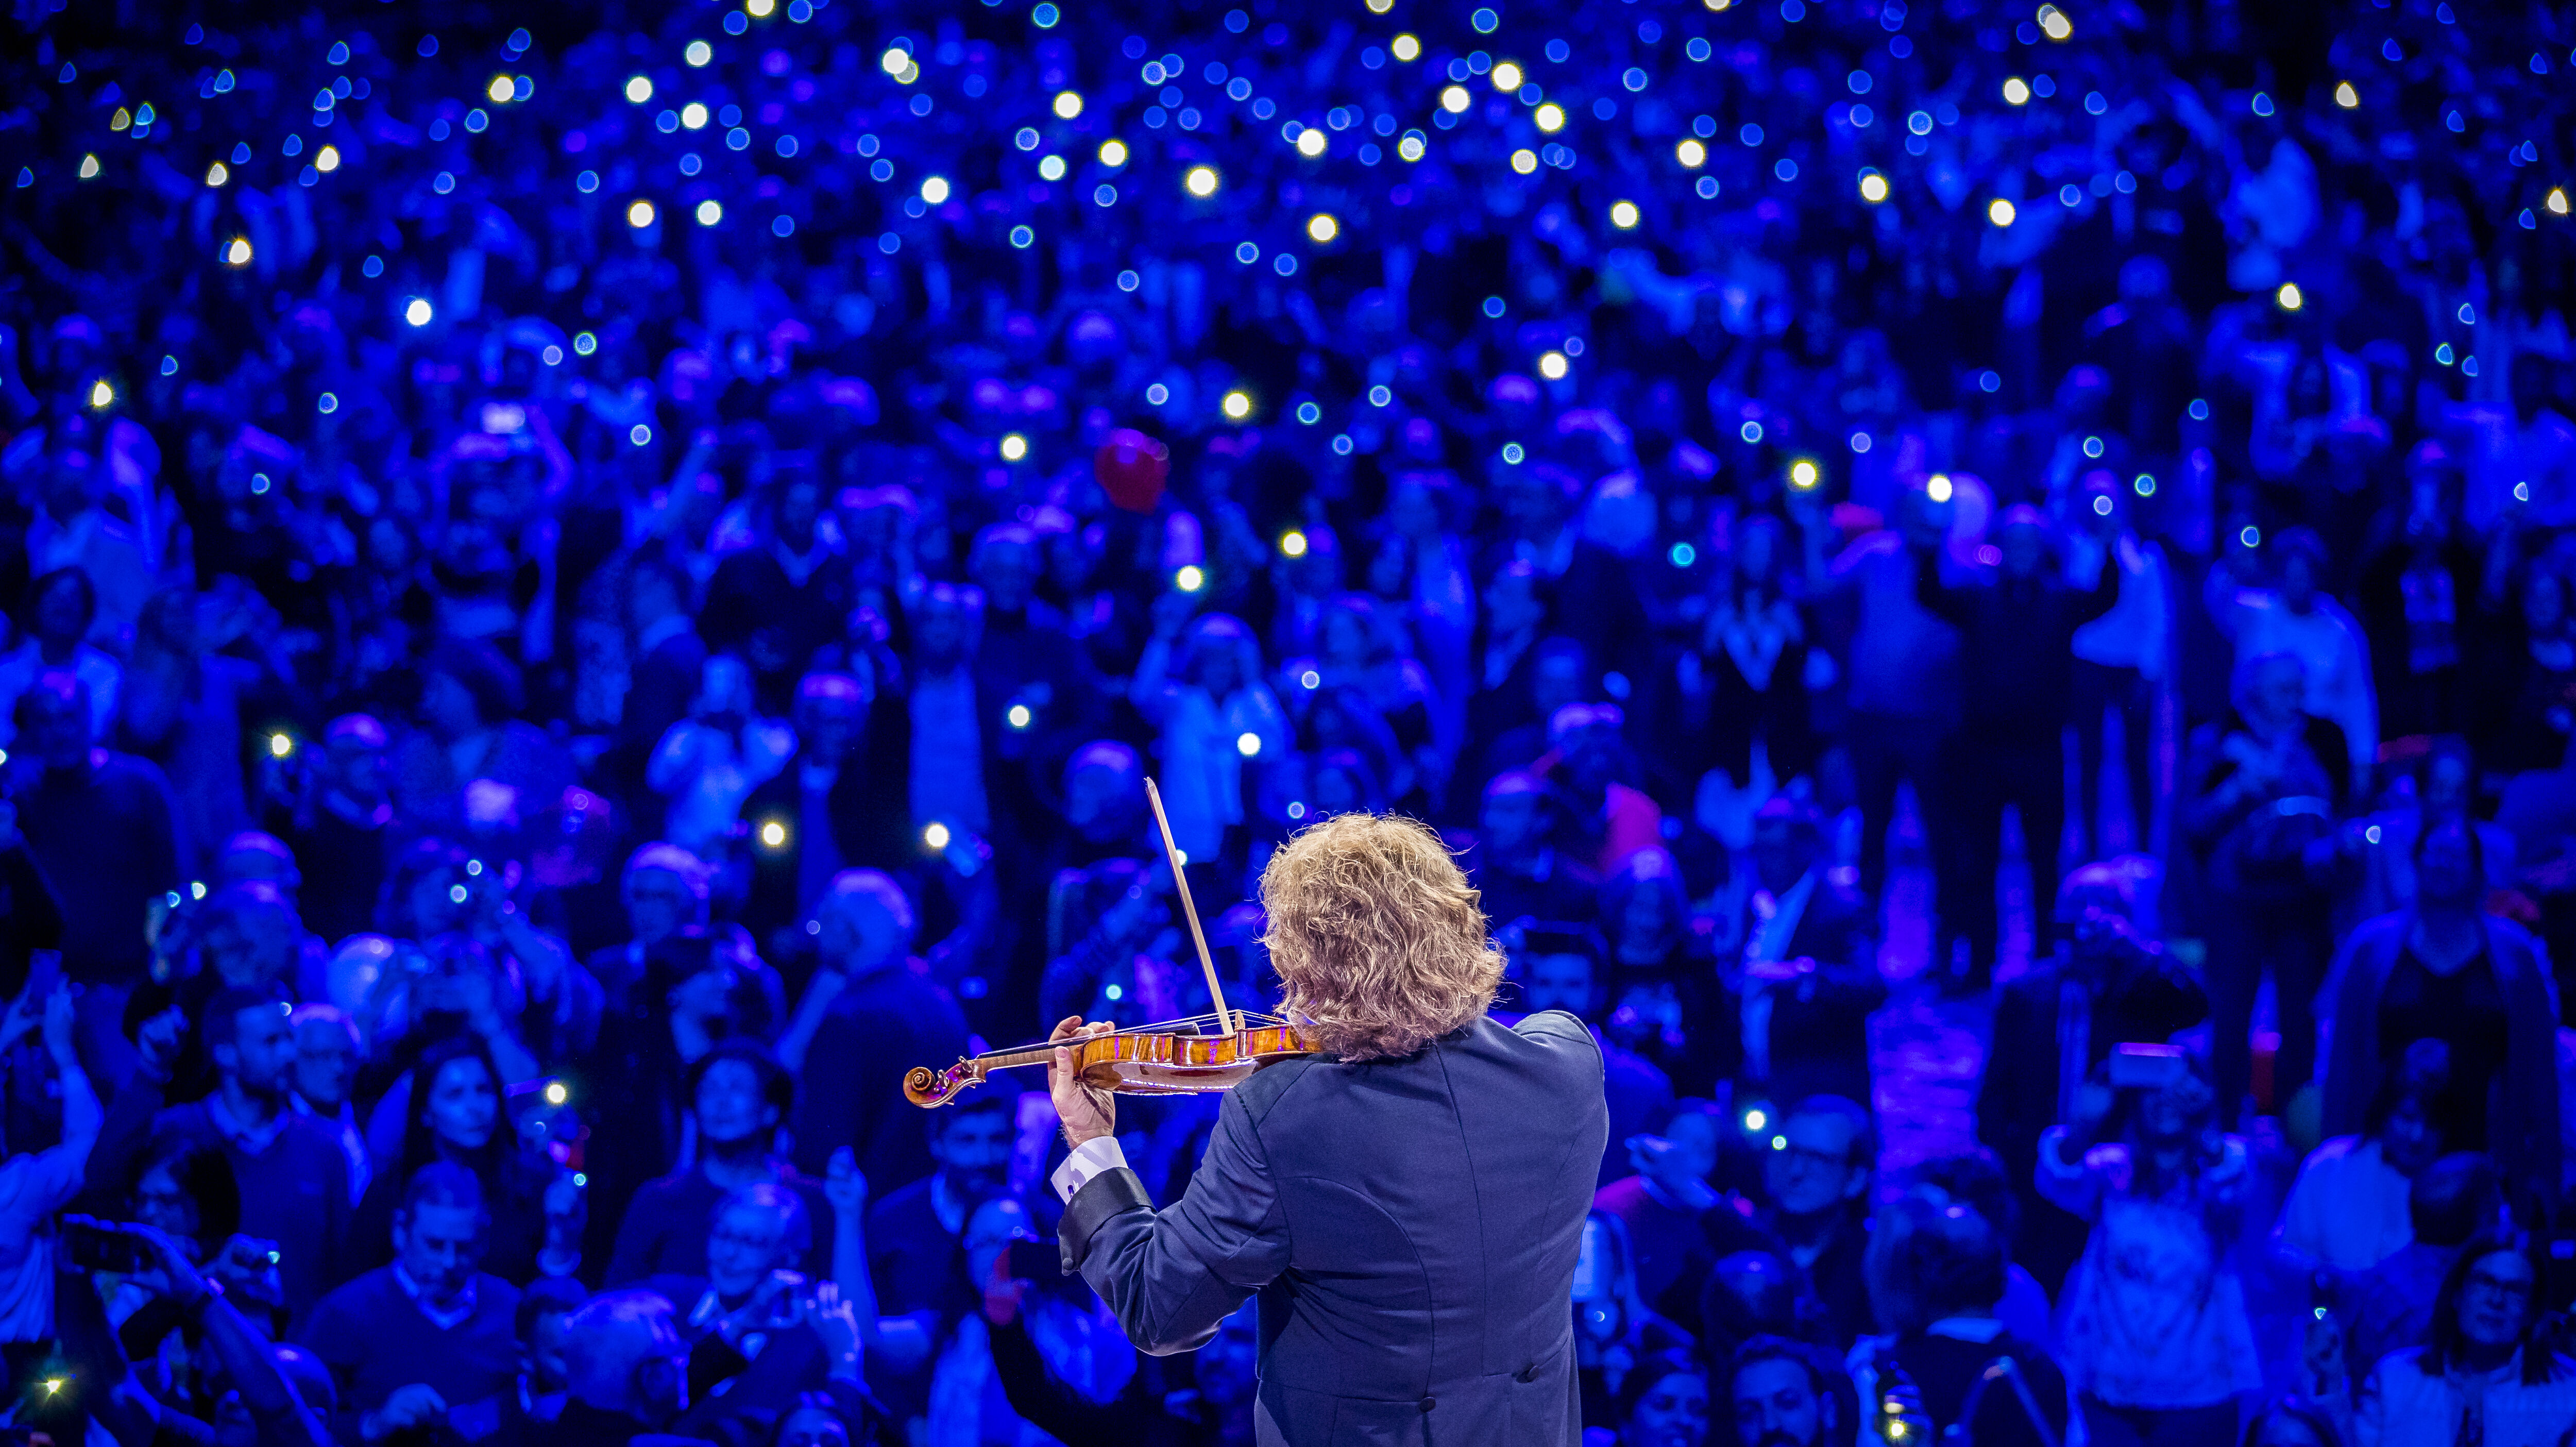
(1093, 1157)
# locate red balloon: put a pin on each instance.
(1131, 468)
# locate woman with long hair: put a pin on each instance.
(458, 1111)
(2483, 1376)
(1745, 680)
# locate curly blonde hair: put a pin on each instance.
(1377, 936)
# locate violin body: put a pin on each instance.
(1152, 1061)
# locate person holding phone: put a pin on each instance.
(2155, 1335)
(35, 1184)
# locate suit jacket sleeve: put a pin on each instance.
(1171, 1276)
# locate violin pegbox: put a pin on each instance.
(926, 1087)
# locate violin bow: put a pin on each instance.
(1232, 1022)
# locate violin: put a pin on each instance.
(1215, 1051)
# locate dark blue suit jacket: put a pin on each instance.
(1411, 1226)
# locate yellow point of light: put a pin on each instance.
(934, 189)
(1310, 142)
(1321, 227)
(1507, 77)
(1624, 215)
(2016, 91)
(2001, 212)
(936, 834)
(88, 167)
(1405, 47)
(2288, 297)
(2557, 201)
(101, 395)
(1293, 544)
(1550, 117)
(1873, 186)
(2346, 96)
(218, 173)
(280, 745)
(1938, 489)
(1014, 447)
(1068, 104)
(1113, 153)
(1236, 406)
(327, 159)
(2053, 23)
(238, 253)
(1551, 365)
(501, 89)
(1190, 578)
(1200, 181)
(773, 834)
(1691, 154)
(640, 215)
(1802, 474)
(1455, 99)
(1525, 161)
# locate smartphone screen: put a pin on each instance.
(1589, 1284)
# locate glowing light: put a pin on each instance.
(237, 252)
(1014, 447)
(2054, 24)
(1551, 365)
(1113, 153)
(2557, 202)
(1293, 544)
(934, 189)
(418, 311)
(1624, 215)
(1411, 147)
(1018, 716)
(1051, 167)
(640, 215)
(101, 395)
(2251, 536)
(1190, 578)
(1873, 186)
(710, 211)
(698, 53)
(1200, 181)
(456, 894)
(639, 434)
(1525, 161)
(759, 9)
(500, 89)
(555, 1093)
(1507, 77)
(2000, 211)
(327, 159)
(53, 1385)
(1405, 47)
(2346, 96)
(1691, 154)
(1756, 1118)
(1551, 118)
(217, 174)
(895, 61)
(1803, 474)
(1321, 227)
(280, 745)
(1938, 489)
(1310, 142)
(1455, 99)
(1068, 104)
(935, 834)
(88, 167)
(1248, 745)
(773, 835)
(1310, 679)
(2288, 296)
(639, 89)
(1779, 1143)
(2102, 506)
(1683, 555)
(2016, 91)
(694, 116)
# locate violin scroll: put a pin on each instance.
(926, 1087)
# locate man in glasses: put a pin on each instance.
(1817, 1167)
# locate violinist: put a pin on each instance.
(1407, 1204)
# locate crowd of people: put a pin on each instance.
(582, 600)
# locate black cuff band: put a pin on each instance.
(1108, 1194)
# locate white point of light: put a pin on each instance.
(935, 834)
(1551, 365)
(934, 189)
(1802, 474)
(1293, 544)
(1938, 489)
(2000, 211)
(1200, 181)
(218, 173)
(1873, 186)
(698, 53)
(1525, 160)
(88, 167)
(1551, 118)
(773, 834)
(2016, 91)
(1018, 716)
(2346, 96)
(1507, 77)
(1455, 99)
(1310, 142)
(418, 311)
(1113, 153)
(1404, 47)
(1623, 214)
(710, 211)
(1051, 167)
(500, 90)
(2288, 297)
(2557, 201)
(894, 62)
(280, 745)
(1321, 226)
(640, 215)
(2101, 506)
(327, 159)
(101, 395)
(1014, 447)
(1236, 406)
(639, 89)
(1691, 154)
(1310, 679)
(1190, 578)
(694, 116)
(238, 253)
(759, 9)
(1068, 104)
(2053, 22)
(1248, 745)
(555, 1093)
